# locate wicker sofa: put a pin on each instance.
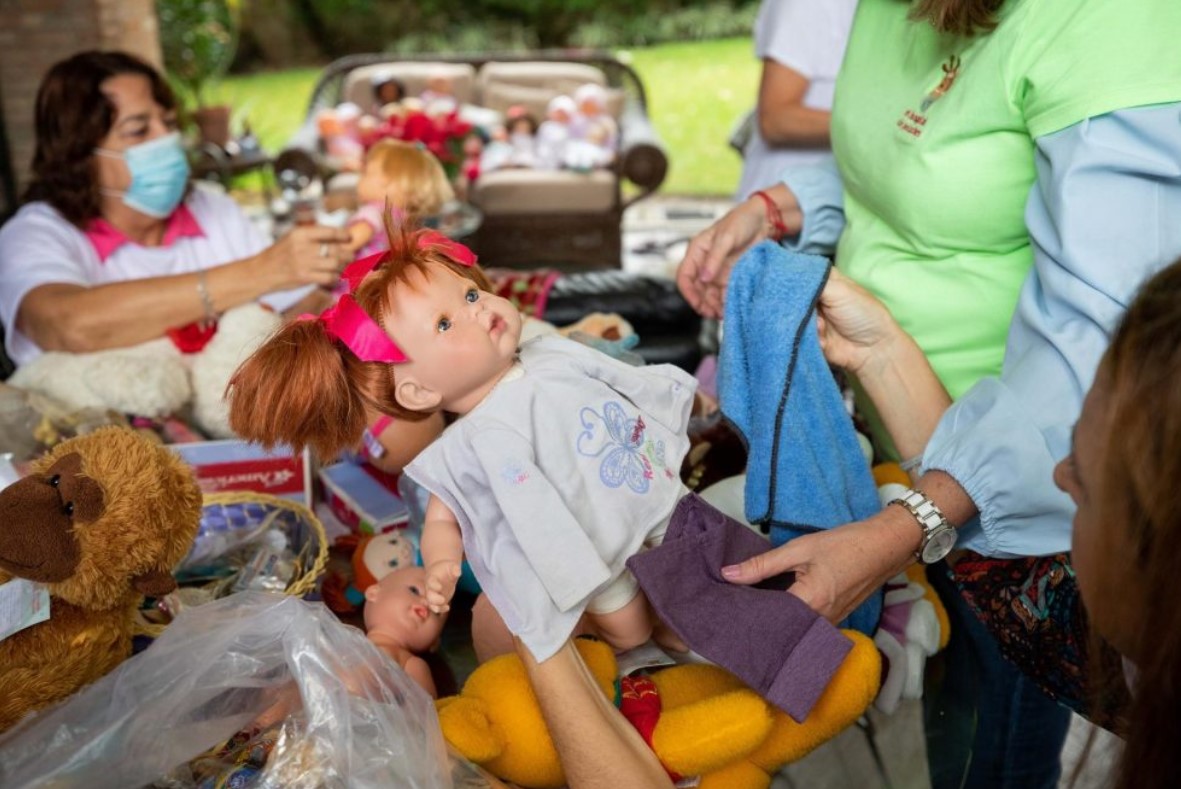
(561, 219)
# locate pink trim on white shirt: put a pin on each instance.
(106, 238)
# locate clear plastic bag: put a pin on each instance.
(350, 717)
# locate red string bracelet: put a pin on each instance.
(774, 217)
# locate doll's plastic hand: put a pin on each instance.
(308, 255)
(855, 328)
(836, 570)
(441, 578)
(705, 270)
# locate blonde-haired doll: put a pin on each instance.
(405, 175)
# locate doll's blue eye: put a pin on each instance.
(393, 562)
(473, 296)
(444, 324)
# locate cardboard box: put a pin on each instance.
(238, 465)
(363, 498)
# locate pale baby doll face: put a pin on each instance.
(561, 109)
(590, 107)
(591, 100)
(1103, 554)
(387, 552)
(440, 85)
(395, 608)
(460, 340)
(328, 124)
(349, 115)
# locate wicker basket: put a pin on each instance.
(305, 529)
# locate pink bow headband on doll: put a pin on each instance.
(347, 322)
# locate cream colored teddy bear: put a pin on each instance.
(154, 379)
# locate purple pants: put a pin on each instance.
(769, 639)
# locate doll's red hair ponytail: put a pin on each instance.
(297, 389)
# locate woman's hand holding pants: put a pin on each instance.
(837, 569)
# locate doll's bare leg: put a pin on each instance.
(663, 634)
(627, 627)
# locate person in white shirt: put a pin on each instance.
(801, 44)
(112, 247)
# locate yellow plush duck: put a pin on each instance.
(710, 724)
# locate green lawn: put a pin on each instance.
(274, 102)
(696, 92)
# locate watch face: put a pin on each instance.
(939, 545)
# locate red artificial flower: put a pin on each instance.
(441, 135)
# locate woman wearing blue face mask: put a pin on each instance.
(112, 248)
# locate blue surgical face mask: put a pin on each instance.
(159, 174)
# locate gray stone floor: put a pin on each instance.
(1096, 770)
(889, 753)
(848, 760)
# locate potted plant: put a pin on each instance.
(198, 39)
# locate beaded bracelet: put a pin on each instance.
(206, 299)
(774, 217)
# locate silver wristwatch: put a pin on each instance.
(938, 534)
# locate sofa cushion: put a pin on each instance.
(358, 85)
(503, 192)
(533, 83)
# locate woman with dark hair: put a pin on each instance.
(112, 247)
(1006, 174)
(1121, 474)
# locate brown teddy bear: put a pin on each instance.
(100, 520)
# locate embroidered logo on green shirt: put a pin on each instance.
(951, 70)
(912, 122)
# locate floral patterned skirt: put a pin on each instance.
(1032, 607)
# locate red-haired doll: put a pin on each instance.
(562, 463)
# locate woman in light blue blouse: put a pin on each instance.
(1069, 112)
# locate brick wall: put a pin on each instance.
(35, 34)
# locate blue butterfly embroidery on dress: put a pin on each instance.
(621, 437)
